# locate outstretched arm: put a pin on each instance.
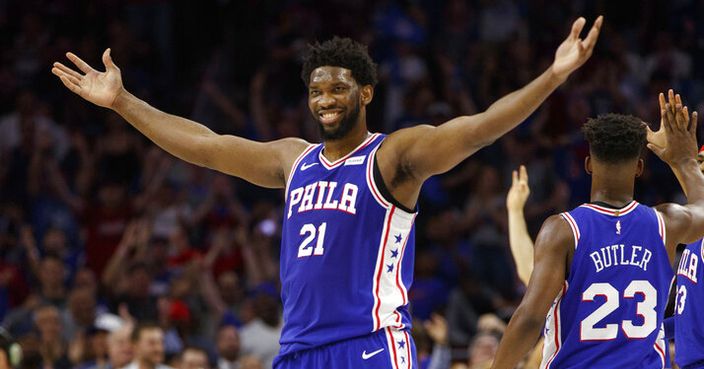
(426, 150)
(676, 144)
(548, 278)
(518, 237)
(264, 164)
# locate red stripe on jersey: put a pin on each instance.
(381, 267)
(393, 348)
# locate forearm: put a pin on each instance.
(691, 180)
(520, 337)
(514, 108)
(452, 142)
(521, 244)
(176, 135)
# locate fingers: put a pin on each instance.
(685, 117)
(661, 100)
(669, 118)
(83, 66)
(107, 60)
(514, 178)
(680, 121)
(75, 88)
(577, 28)
(671, 99)
(523, 174)
(593, 35)
(693, 125)
(66, 70)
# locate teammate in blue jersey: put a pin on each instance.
(689, 297)
(602, 271)
(347, 245)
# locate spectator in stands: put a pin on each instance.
(53, 347)
(194, 358)
(228, 347)
(148, 341)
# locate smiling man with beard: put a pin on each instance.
(348, 233)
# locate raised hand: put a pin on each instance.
(518, 194)
(574, 51)
(676, 139)
(437, 329)
(658, 138)
(100, 88)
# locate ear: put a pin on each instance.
(588, 164)
(639, 168)
(367, 94)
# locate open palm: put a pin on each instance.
(100, 88)
(574, 51)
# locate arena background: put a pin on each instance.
(96, 220)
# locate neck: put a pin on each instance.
(335, 149)
(144, 364)
(613, 190)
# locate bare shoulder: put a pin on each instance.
(289, 149)
(398, 142)
(555, 232)
(677, 219)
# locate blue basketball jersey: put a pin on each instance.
(689, 316)
(610, 311)
(346, 251)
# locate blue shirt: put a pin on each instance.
(610, 311)
(346, 251)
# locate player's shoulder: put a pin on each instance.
(557, 229)
(406, 136)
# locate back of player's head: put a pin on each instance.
(340, 52)
(615, 138)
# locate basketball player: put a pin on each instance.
(689, 317)
(609, 261)
(347, 241)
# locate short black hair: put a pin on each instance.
(340, 52)
(141, 327)
(615, 138)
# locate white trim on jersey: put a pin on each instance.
(370, 180)
(659, 345)
(661, 227)
(701, 249)
(328, 165)
(389, 292)
(295, 166)
(613, 212)
(399, 348)
(573, 225)
(553, 339)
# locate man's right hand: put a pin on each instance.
(100, 88)
(518, 194)
(675, 142)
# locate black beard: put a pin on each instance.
(345, 126)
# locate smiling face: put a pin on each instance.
(336, 100)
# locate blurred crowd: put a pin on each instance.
(115, 254)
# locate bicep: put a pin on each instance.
(683, 223)
(264, 164)
(429, 150)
